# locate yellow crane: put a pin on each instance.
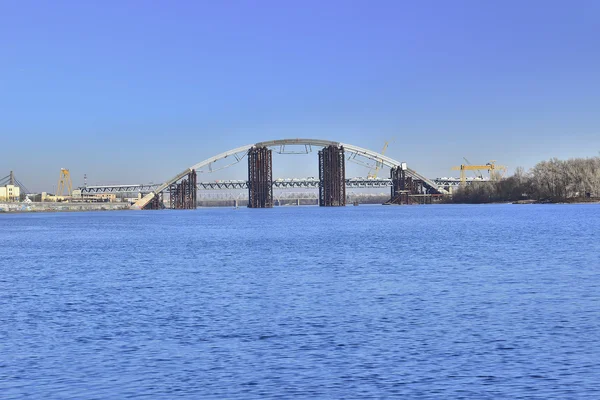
(478, 174)
(491, 167)
(64, 182)
(378, 165)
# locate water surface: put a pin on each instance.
(426, 302)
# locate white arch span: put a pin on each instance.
(372, 155)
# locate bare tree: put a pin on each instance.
(553, 180)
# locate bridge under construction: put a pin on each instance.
(406, 186)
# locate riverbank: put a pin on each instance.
(60, 207)
(567, 201)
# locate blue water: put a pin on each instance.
(423, 302)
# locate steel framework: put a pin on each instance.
(260, 177)
(156, 203)
(64, 182)
(332, 182)
(292, 183)
(143, 188)
(240, 152)
(407, 190)
(304, 183)
(183, 195)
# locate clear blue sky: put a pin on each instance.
(135, 91)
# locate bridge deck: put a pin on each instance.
(354, 183)
(351, 183)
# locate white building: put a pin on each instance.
(10, 193)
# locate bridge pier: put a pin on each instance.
(406, 190)
(156, 203)
(260, 177)
(399, 190)
(183, 194)
(332, 177)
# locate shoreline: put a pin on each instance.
(528, 202)
(37, 207)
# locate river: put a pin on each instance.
(423, 302)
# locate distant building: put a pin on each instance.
(77, 196)
(10, 193)
(132, 199)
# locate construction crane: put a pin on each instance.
(491, 167)
(378, 165)
(64, 182)
(478, 174)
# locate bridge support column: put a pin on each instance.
(400, 186)
(260, 178)
(184, 194)
(156, 203)
(332, 177)
(406, 190)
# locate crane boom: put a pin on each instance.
(491, 166)
(378, 165)
(479, 174)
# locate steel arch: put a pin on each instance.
(372, 155)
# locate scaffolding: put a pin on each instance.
(260, 178)
(332, 177)
(183, 195)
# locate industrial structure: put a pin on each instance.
(408, 190)
(281, 183)
(183, 194)
(332, 177)
(405, 185)
(378, 166)
(260, 177)
(331, 183)
(491, 167)
(64, 183)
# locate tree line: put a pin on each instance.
(548, 181)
